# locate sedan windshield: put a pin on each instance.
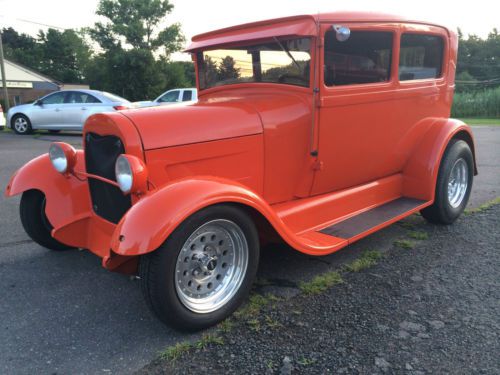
(285, 61)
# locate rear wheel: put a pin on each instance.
(21, 124)
(35, 221)
(204, 270)
(453, 185)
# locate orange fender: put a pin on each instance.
(150, 221)
(421, 170)
(67, 197)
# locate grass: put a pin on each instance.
(226, 325)
(305, 361)
(254, 305)
(481, 121)
(483, 207)
(174, 352)
(418, 235)
(404, 244)
(477, 104)
(321, 283)
(207, 340)
(367, 259)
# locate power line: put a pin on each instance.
(39, 23)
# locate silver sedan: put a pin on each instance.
(63, 110)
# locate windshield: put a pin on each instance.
(285, 61)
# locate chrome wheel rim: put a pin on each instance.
(21, 125)
(211, 266)
(457, 183)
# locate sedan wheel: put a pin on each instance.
(21, 125)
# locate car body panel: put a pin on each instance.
(298, 159)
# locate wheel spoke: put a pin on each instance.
(211, 266)
(458, 183)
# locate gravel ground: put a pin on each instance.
(431, 309)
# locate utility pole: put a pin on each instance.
(4, 79)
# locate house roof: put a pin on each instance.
(303, 25)
(17, 72)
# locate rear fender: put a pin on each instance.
(421, 170)
(150, 221)
(66, 196)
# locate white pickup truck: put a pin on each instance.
(171, 97)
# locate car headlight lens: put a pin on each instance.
(124, 175)
(62, 156)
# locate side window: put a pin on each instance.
(74, 98)
(87, 98)
(421, 57)
(170, 97)
(57, 98)
(187, 95)
(363, 58)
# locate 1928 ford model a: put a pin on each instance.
(312, 130)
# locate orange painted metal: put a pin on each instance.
(250, 144)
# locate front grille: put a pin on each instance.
(101, 153)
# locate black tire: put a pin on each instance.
(157, 271)
(35, 222)
(19, 130)
(442, 211)
(54, 131)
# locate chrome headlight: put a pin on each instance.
(62, 156)
(123, 172)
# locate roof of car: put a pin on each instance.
(302, 25)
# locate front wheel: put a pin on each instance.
(21, 124)
(204, 270)
(35, 221)
(454, 184)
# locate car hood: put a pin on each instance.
(206, 121)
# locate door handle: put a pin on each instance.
(84, 108)
(57, 110)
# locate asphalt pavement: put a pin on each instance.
(63, 313)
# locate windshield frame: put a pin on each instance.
(197, 56)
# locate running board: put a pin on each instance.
(375, 217)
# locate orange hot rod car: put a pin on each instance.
(312, 130)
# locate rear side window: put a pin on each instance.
(421, 57)
(187, 95)
(363, 58)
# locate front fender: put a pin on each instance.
(150, 221)
(66, 197)
(421, 170)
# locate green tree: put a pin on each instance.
(65, 55)
(227, 69)
(21, 48)
(130, 39)
(137, 24)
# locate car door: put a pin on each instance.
(170, 97)
(78, 107)
(359, 128)
(48, 112)
(187, 95)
